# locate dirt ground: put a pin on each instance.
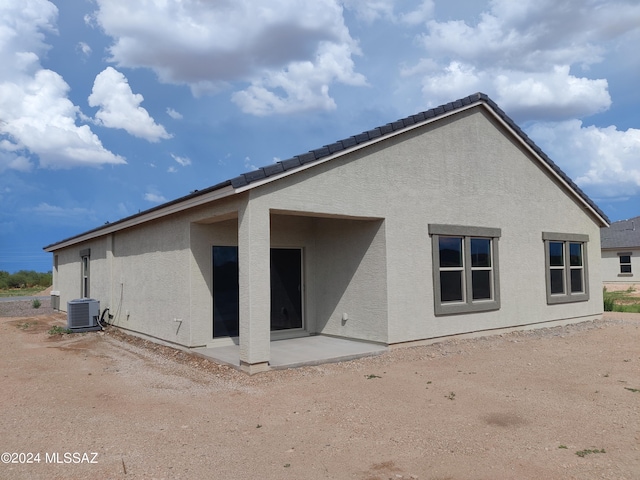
(555, 403)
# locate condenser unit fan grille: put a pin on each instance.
(82, 313)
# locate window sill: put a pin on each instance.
(559, 299)
(459, 308)
(625, 274)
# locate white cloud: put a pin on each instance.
(372, 10)
(120, 107)
(534, 34)
(36, 115)
(84, 48)
(602, 160)
(173, 114)
(525, 55)
(248, 165)
(56, 211)
(421, 14)
(154, 197)
(289, 51)
(11, 161)
(456, 77)
(172, 169)
(184, 161)
(550, 95)
(306, 84)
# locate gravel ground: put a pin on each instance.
(556, 403)
(24, 308)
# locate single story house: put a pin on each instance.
(445, 222)
(621, 251)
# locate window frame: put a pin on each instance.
(625, 264)
(566, 239)
(85, 272)
(468, 304)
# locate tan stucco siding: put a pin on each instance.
(467, 171)
(203, 237)
(362, 222)
(611, 265)
(145, 274)
(150, 280)
(343, 272)
(352, 279)
(68, 276)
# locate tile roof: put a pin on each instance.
(622, 234)
(364, 137)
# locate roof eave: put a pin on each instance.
(193, 200)
(549, 167)
(262, 176)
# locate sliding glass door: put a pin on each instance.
(286, 290)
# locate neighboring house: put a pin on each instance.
(621, 251)
(444, 222)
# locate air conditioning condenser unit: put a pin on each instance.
(83, 315)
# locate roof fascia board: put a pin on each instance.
(545, 165)
(357, 147)
(144, 217)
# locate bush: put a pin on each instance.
(609, 304)
(58, 330)
(25, 279)
(4, 279)
(36, 303)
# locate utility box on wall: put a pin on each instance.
(55, 300)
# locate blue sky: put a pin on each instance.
(110, 107)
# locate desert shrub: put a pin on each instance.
(4, 279)
(25, 279)
(609, 304)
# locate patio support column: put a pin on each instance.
(254, 250)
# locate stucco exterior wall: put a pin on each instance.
(203, 237)
(300, 232)
(611, 266)
(144, 275)
(150, 280)
(344, 271)
(362, 222)
(465, 171)
(68, 276)
(351, 279)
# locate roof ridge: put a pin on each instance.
(632, 219)
(354, 140)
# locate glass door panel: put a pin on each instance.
(226, 298)
(286, 288)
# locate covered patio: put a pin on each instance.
(291, 275)
(298, 352)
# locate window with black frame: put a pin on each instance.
(625, 264)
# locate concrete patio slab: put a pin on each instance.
(297, 352)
